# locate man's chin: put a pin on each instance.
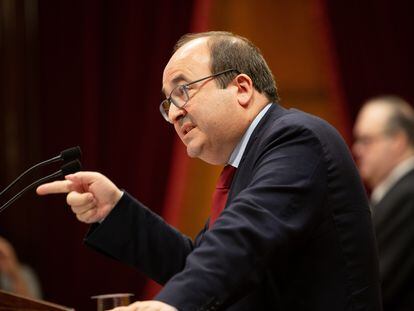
(193, 151)
(203, 156)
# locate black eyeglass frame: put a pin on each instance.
(169, 100)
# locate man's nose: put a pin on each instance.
(356, 149)
(175, 114)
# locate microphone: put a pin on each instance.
(68, 168)
(65, 156)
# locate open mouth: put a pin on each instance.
(187, 128)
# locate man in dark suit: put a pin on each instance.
(296, 230)
(384, 149)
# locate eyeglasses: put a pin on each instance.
(368, 140)
(179, 95)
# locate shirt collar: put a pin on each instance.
(237, 153)
(396, 174)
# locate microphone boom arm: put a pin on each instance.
(71, 167)
(55, 159)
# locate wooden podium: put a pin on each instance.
(13, 302)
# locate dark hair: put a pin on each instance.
(230, 51)
(401, 117)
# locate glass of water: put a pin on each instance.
(110, 301)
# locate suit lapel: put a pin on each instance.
(241, 178)
(385, 208)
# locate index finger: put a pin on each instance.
(59, 186)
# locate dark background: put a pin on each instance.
(83, 73)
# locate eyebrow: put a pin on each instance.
(175, 82)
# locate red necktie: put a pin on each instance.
(221, 192)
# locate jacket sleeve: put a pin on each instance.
(264, 223)
(135, 235)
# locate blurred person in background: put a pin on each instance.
(384, 151)
(16, 277)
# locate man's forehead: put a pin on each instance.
(196, 46)
(378, 110)
(373, 117)
(192, 57)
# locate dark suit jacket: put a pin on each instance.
(296, 233)
(393, 220)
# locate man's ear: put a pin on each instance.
(401, 141)
(245, 89)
